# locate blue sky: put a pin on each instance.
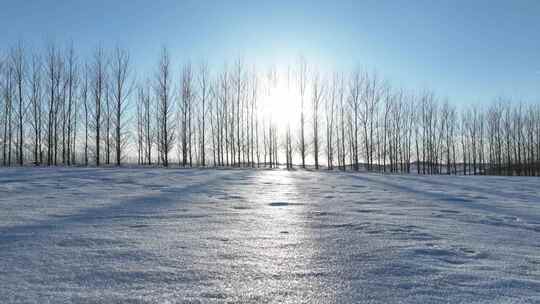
(468, 51)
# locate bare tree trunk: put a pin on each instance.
(86, 106)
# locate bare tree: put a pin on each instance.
(72, 83)
(370, 98)
(99, 78)
(302, 81)
(18, 62)
(8, 93)
(54, 74)
(253, 117)
(145, 121)
(355, 99)
(139, 129)
(86, 109)
(108, 113)
(317, 97)
(340, 130)
(186, 104)
(239, 86)
(165, 108)
(36, 98)
(224, 105)
(122, 88)
(204, 88)
(329, 110)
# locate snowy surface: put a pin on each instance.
(259, 236)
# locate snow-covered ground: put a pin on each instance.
(256, 236)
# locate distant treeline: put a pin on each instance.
(59, 109)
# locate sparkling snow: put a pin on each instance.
(258, 236)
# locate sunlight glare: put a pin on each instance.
(281, 105)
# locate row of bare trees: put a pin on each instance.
(47, 99)
(59, 109)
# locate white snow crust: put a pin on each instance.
(150, 235)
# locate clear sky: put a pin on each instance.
(468, 51)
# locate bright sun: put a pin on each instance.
(281, 105)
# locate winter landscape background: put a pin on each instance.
(244, 152)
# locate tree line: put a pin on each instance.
(59, 109)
